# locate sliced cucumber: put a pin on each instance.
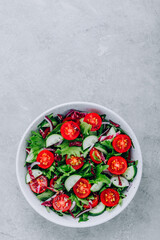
(130, 173)
(100, 148)
(99, 209)
(97, 186)
(36, 173)
(52, 139)
(111, 132)
(30, 157)
(89, 141)
(71, 181)
(115, 182)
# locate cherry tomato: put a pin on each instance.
(39, 185)
(117, 165)
(109, 197)
(75, 162)
(93, 202)
(122, 143)
(94, 119)
(46, 158)
(70, 130)
(82, 188)
(62, 202)
(95, 155)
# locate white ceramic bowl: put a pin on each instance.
(68, 220)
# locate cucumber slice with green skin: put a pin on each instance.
(89, 141)
(100, 148)
(99, 209)
(36, 173)
(30, 157)
(115, 182)
(71, 181)
(111, 132)
(130, 173)
(52, 139)
(97, 186)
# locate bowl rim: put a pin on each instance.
(95, 105)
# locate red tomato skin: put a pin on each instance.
(119, 160)
(120, 140)
(94, 203)
(77, 189)
(97, 153)
(78, 166)
(61, 198)
(42, 181)
(94, 119)
(73, 127)
(44, 154)
(115, 196)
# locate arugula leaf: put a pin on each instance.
(85, 128)
(36, 142)
(56, 129)
(75, 198)
(48, 172)
(107, 143)
(109, 209)
(100, 168)
(45, 195)
(65, 168)
(83, 217)
(101, 178)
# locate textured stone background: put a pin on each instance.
(55, 51)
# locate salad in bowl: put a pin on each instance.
(79, 164)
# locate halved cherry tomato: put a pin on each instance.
(62, 202)
(82, 188)
(95, 155)
(117, 165)
(39, 185)
(93, 202)
(70, 130)
(109, 197)
(122, 143)
(75, 162)
(94, 119)
(46, 158)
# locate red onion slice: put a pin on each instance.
(119, 179)
(105, 132)
(60, 117)
(34, 163)
(52, 189)
(28, 150)
(84, 211)
(50, 123)
(76, 143)
(72, 206)
(115, 124)
(59, 143)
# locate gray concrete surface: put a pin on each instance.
(55, 51)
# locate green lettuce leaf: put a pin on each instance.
(85, 128)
